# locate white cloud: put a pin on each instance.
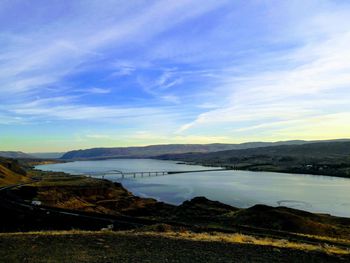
(42, 58)
(98, 136)
(313, 83)
(96, 90)
(220, 75)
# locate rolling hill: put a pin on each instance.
(11, 172)
(48, 155)
(307, 150)
(156, 150)
(14, 154)
(328, 158)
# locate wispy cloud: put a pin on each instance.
(96, 90)
(98, 136)
(178, 70)
(308, 86)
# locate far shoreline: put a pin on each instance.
(224, 167)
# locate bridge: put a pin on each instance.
(124, 175)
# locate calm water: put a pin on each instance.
(238, 188)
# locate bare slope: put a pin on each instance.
(155, 150)
(14, 154)
(11, 172)
(328, 158)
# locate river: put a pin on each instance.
(320, 194)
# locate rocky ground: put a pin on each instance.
(131, 247)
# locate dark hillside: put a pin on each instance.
(155, 150)
(311, 150)
(11, 172)
(328, 158)
(12, 154)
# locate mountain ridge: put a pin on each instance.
(155, 150)
(47, 155)
(15, 154)
(323, 158)
(158, 150)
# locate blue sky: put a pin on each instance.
(79, 74)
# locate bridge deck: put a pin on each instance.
(148, 173)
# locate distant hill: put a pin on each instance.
(315, 149)
(15, 155)
(48, 155)
(328, 157)
(22, 155)
(156, 150)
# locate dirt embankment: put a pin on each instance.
(102, 196)
(11, 172)
(90, 195)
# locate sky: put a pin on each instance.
(81, 74)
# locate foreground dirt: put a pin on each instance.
(137, 247)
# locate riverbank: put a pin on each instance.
(260, 164)
(331, 158)
(236, 188)
(89, 195)
(319, 158)
(305, 169)
(325, 167)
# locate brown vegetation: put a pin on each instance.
(104, 197)
(11, 172)
(80, 246)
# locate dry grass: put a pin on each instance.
(236, 238)
(66, 181)
(55, 233)
(186, 247)
(8, 177)
(248, 239)
(342, 241)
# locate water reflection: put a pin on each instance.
(238, 188)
